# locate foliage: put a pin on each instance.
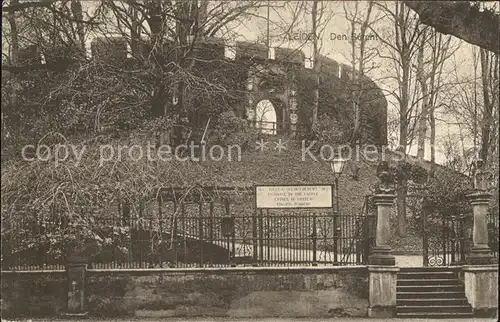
(233, 130)
(443, 195)
(447, 193)
(407, 171)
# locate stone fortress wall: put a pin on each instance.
(276, 74)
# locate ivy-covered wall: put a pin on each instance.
(229, 77)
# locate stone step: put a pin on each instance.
(432, 301)
(429, 295)
(433, 309)
(430, 288)
(436, 315)
(426, 275)
(436, 281)
(429, 269)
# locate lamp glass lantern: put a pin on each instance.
(250, 84)
(337, 166)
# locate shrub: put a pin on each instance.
(233, 130)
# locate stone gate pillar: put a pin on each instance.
(382, 273)
(480, 253)
(382, 253)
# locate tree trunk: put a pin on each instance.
(432, 119)
(314, 15)
(135, 32)
(14, 35)
(403, 116)
(14, 51)
(354, 98)
(488, 108)
(77, 12)
(422, 121)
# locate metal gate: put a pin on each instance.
(446, 238)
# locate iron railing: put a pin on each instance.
(446, 239)
(493, 233)
(279, 128)
(195, 232)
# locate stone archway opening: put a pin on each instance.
(266, 117)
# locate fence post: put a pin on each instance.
(233, 241)
(461, 237)
(358, 241)
(254, 236)
(453, 239)
(261, 238)
(425, 240)
(314, 236)
(335, 238)
(76, 272)
(200, 233)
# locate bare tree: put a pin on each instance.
(489, 77)
(361, 55)
(320, 17)
(432, 83)
(400, 51)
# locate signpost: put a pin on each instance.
(306, 196)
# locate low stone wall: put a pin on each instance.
(33, 293)
(230, 292)
(226, 292)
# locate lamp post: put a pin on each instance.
(337, 166)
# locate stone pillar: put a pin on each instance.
(76, 272)
(480, 253)
(382, 291)
(382, 253)
(481, 289)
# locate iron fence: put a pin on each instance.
(446, 239)
(493, 233)
(279, 128)
(195, 232)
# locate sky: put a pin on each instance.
(335, 45)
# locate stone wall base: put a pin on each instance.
(382, 291)
(486, 313)
(382, 312)
(481, 288)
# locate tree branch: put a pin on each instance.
(462, 20)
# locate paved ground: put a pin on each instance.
(284, 253)
(253, 320)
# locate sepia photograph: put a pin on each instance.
(249, 160)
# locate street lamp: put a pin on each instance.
(337, 166)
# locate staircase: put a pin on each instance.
(431, 292)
